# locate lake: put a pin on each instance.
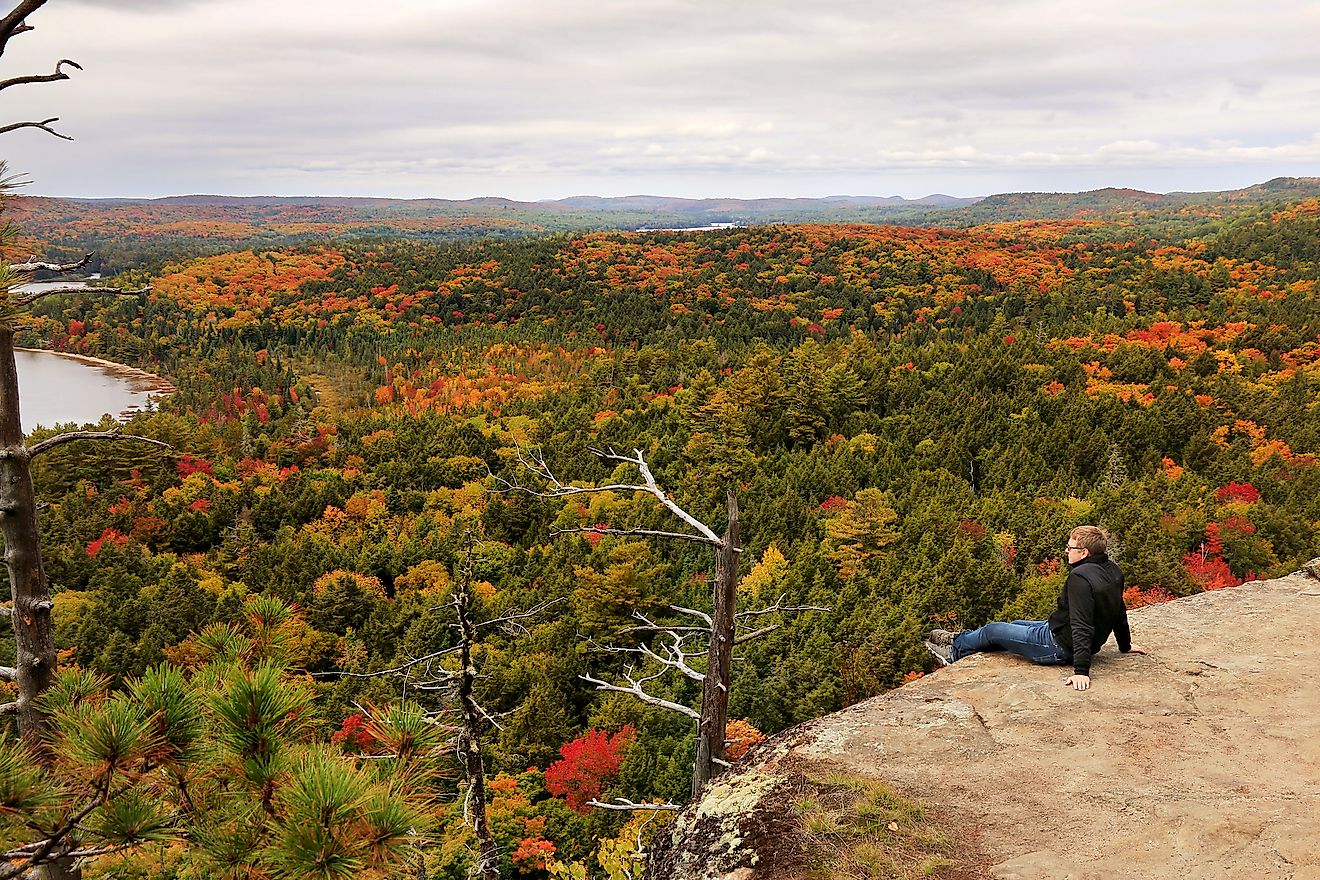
(58, 388)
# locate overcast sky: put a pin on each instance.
(538, 99)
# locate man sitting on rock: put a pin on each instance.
(1090, 608)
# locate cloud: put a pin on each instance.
(140, 6)
(531, 99)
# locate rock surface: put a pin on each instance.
(1199, 760)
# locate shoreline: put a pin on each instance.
(143, 381)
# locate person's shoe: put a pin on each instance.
(942, 637)
(943, 654)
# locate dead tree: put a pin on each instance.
(31, 610)
(30, 613)
(474, 719)
(717, 632)
(434, 674)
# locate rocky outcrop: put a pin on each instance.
(1198, 760)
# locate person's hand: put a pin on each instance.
(1078, 682)
(1135, 650)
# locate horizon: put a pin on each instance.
(656, 195)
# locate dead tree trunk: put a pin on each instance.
(469, 738)
(34, 633)
(713, 723)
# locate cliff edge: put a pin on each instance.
(1199, 760)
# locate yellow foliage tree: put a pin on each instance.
(860, 531)
(767, 575)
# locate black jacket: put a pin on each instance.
(1090, 608)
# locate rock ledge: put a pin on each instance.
(1200, 760)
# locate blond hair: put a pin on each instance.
(1090, 538)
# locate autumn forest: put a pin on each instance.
(369, 420)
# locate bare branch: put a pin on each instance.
(535, 463)
(43, 851)
(513, 618)
(655, 627)
(700, 615)
(59, 74)
(647, 477)
(650, 533)
(622, 804)
(433, 687)
(635, 688)
(779, 606)
(16, 21)
(407, 664)
(650, 625)
(493, 719)
(44, 125)
(8, 708)
(100, 851)
(112, 291)
(752, 636)
(71, 436)
(33, 265)
(8, 673)
(676, 658)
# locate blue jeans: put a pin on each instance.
(1026, 638)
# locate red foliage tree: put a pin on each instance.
(190, 464)
(353, 736)
(588, 762)
(1138, 597)
(1244, 493)
(109, 536)
(532, 854)
(833, 503)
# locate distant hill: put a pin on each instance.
(750, 208)
(1111, 201)
(129, 233)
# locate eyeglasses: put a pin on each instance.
(1071, 547)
